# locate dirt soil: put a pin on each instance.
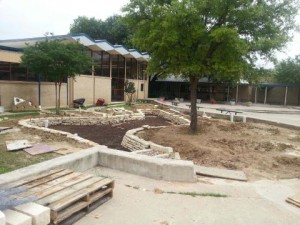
(260, 150)
(111, 135)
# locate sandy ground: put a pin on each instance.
(260, 150)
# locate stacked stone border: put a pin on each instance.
(43, 123)
(133, 142)
(140, 146)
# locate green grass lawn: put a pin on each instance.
(10, 161)
(13, 160)
(19, 115)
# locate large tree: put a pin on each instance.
(209, 38)
(112, 29)
(288, 71)
(56, 61)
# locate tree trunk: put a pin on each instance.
(193, 86)
(56, 99)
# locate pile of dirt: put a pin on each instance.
(260, 150)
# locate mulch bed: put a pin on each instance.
(111, 135)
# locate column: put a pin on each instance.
(285, 95)
(237, 93)
(266, 92)
(255, 95)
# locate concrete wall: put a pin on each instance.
(140, 94)
(83, 88)
(293, 96)
(160, 169)
(275, 96)
(245, 93)
(29, 91)
(103, 88)
(8, 56)
(91, 88)
(48, 94)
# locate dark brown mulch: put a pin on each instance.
(111, 135)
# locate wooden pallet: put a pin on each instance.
(294, 200)
(70, 195)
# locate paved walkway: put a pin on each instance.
(140, 201)
(281, 114)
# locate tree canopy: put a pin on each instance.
(220, 39)
(112, 29)
(288, 71)
(56, 61)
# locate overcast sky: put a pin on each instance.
(33, 18)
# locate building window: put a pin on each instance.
(16, 72)
(142, 87)
(4, 70)
(118, 66)
(144, 68)
(90, 54)
(101, 64)
(131, 69)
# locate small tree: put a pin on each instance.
(56, 61)
(129, 90)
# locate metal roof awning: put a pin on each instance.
(98, 45)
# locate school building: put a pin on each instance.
(264, 93)
(113, 65)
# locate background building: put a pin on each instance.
(113, 65)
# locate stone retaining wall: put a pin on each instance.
(134, 143)
(86, 120)
(173, 117)
(39, 123)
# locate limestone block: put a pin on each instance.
(2, 218)
(40, 214)
(16, 218)
(161, 148)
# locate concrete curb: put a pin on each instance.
(80, 161)
(162, 169)
(156, 168)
